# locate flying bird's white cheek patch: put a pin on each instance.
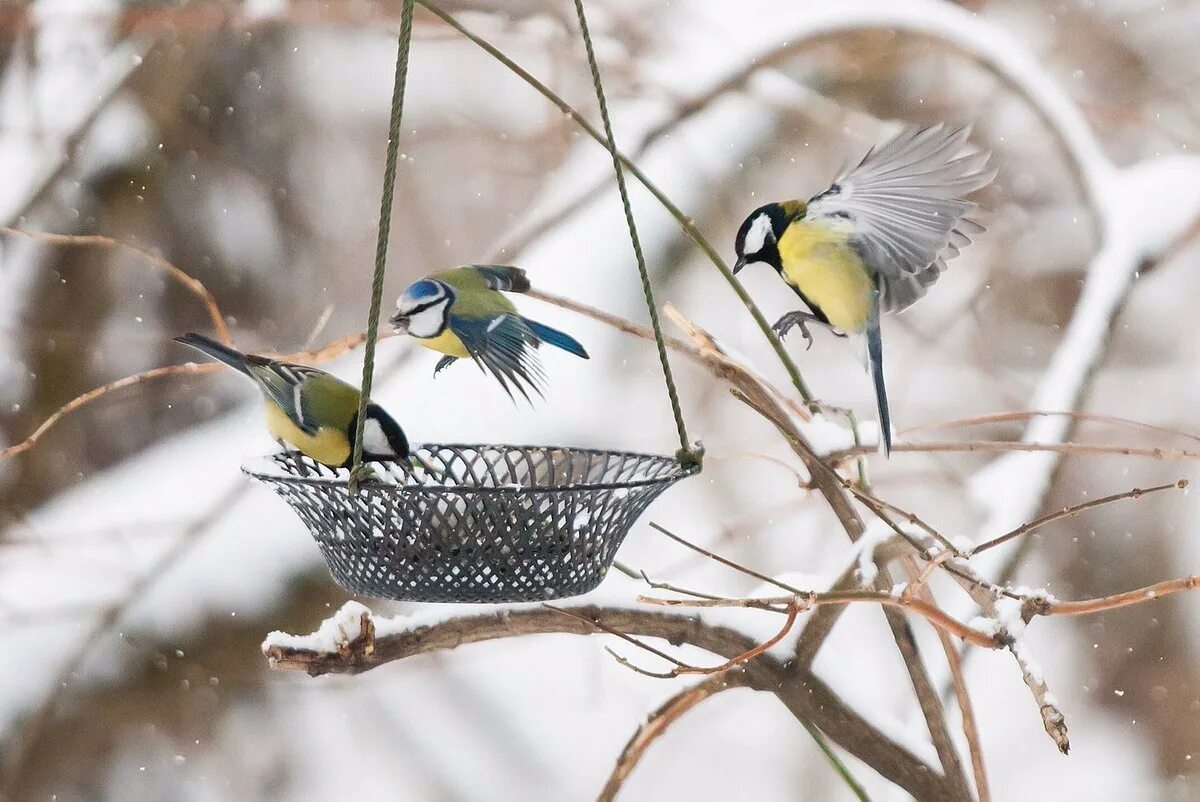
(756, 237)
(427, 322)
(374, 440)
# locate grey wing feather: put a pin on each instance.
(904, 202)
(282, 384)
(503, 277)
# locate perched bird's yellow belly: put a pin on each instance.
(447, 343)
(328, 446)
(821, 264)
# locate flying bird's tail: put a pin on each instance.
(556, 338)
(875, 365)
(218, 351)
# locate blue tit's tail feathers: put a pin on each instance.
(218, 351)
(556, 338)
(875, 365)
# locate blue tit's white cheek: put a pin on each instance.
(427, 322)
(756, 237)
(375, 440)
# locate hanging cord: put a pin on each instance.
(689, 456)
(358, 471)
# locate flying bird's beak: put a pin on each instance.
(739, 264)
(399, 323)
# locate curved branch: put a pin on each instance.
(192, 285)
(658, 721)
(374, 643)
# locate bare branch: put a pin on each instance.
(1005, 417)
(976, 446)
(658, 722)
(189, 283)
(805, 695)
(1126, 599)
(1069, 512)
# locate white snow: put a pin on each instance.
(876, 534)
(335, 633)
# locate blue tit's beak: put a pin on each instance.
(399, 323)
(739, 264)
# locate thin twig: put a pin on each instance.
(188, 282)
(98, 392)
(1126, 599)
(657, 723)
(988, 446)
(1068, 512)
(725, 561)
(809, 599)
(1006, 417)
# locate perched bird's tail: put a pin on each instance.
(556, 338)
(218, 351)
(875, 365)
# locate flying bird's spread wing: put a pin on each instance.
(904, 203)
(502, 346)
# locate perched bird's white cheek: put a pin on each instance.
(375, 441)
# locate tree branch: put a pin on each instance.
(801, 692)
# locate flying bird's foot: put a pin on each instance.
(443, 363)
(794, 320)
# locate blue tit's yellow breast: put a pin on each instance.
(820, 262)
(328, 446)
(447, 343)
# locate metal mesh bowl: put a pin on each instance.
(489, 523)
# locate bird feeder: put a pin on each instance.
(463, 523)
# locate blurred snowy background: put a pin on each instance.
(139, 570)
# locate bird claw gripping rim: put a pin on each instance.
(474, 523)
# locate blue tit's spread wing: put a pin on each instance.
(283, 383)
(503, 346)
(904, 203)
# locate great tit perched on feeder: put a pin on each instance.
(311, 410)
(463, 314)
(873, 242)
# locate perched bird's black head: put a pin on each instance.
(758, 238)
(383, 439)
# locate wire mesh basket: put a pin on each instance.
(474, 523)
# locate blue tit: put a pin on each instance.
(873, 242)
(311, 410)
(463, 314)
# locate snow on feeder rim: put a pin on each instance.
(473, 523)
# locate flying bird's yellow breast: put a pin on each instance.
(327, 446)
(820, 262)
(447, 343)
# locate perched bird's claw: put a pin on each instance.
(443, 363)
(794, 320)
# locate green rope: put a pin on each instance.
(685, 222)
(357, 472)
(687, 455)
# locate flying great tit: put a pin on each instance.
(463, 314)
(311, 410)
(873, 242)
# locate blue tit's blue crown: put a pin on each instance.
(423, 289)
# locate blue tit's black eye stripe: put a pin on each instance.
(419, 308)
